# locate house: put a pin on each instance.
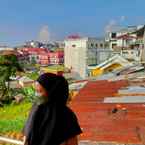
(5, 48)
(43, 59)
(37, 55)
(56, 57)
(131, 54)
(113, 63)
(81, 52)
(34, 54)
(22, 56)
(8, 52)
(14, 84)
(43, 56)
(128, 42)
(25, 81)
(121, 38)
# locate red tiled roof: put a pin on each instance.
(57, 53)
(37, 50)
(98, 121)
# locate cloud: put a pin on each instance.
(109, 27)
(115, 24)
(44, 34)
(122, 18)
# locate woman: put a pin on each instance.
(50, 121)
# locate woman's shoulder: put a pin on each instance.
(71, 113)
(64, 143)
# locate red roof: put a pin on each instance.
(125, 37)
(97, 120)
(97, 90)
(35, 49)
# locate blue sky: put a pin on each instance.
(22, 20)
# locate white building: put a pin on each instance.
(122, 38)
(128, 42)
(2, 48)
(81, 52)
(131, 54)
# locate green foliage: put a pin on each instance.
(8, 67)
(13, 117)
(33, 60)
(29, 93)
(33, 75)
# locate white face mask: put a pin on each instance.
(39, 98)
(38, 94)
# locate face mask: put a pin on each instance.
(38, 94)
(39, 98)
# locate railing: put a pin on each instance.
(11, 141)
(85, 142)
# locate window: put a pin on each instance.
(101, 45)
(92, 45)
(96, 45)
(73, 45)
(113, 35)
(125, 52)
(114, 45)
(106, 45)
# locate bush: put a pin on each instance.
(29, 93)
(13, 117)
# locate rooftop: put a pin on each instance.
(108, 122)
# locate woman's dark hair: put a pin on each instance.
(56, 86)
(53, 122)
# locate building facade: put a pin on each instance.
(121, 37)
(56, 57)
(128, 42)
(42, 56)
(79, 53)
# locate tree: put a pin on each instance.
(8, 67)
(33, 60)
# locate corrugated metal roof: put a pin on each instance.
(99, 123)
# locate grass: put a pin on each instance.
(57, 67)
(13, 117)
(33, 75)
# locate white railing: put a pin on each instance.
(12, 141)
(83, 142)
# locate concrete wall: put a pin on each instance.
(75, 55)
(79, 53)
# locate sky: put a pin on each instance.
(22, 20)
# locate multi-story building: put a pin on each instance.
(79, 53)
(122, 38)
(43, 59)
(2, 48)
(56, 57)
(128, 42)
(42, 56)
(23, 57)
(36, 54)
